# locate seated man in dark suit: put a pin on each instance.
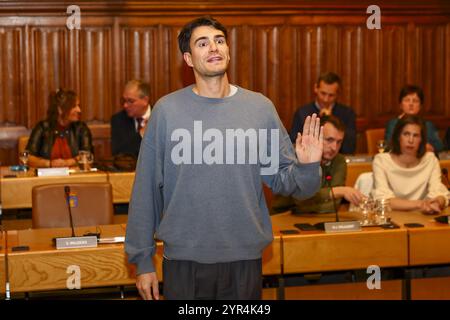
(327, 91)
(127, 125)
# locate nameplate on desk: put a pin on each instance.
(49, 172)
(112, 240)
(76, 242)
(358, 159)
(344, 226)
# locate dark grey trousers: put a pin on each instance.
(189, 280)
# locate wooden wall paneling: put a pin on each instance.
(29, 107)
(431, 67)
(371, 80)
(49, 66)
(277, 47)
(72, 77)
(446, 67)
(352, 63)
(164, 67)
(393, 70)
(178, 73)
(260, 60)
(303, 71)
(141, 58)
(95, 64)
(331, 52)
(11, 39)
(243, 55)
(286, 79)
(274, 89)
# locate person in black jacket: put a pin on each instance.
(57, 140)
(127, 125)
(327, 90)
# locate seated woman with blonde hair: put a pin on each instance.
(57, 140)
(408, 175)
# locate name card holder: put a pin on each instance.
(344, 226)
(76, 242)
(51, 172)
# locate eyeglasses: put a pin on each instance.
(129, 101)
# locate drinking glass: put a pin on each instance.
(366, 208)
(381, 145)
(85, 160)
(383, 209)
(23, 157)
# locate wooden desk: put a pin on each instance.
(316, 251)
(122, 185)
(429, 245)
(2, 262)
(16, 192)
(45, 268)
(271, 259)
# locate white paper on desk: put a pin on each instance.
(112, 240)
(47, 172)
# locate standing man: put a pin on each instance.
(198, 185)
(127, 125)
(334, 170)
(327, 91)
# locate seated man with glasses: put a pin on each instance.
(127, 125)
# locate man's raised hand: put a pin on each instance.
(309, 146)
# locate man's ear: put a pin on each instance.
(316, 88)
(188, 58)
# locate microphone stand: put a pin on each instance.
(88, 240)
(328, 178)
(333, 198)
(67, 192)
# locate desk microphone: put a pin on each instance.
(333, 198)
(67, 192)
(89, 240)
(328, 178)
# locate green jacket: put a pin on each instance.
(321, 202)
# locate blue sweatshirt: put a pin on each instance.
(199, 175)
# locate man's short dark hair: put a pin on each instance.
(402, 123)
(184, 37)
(336, 122)
(329, 78)
(411, 89)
